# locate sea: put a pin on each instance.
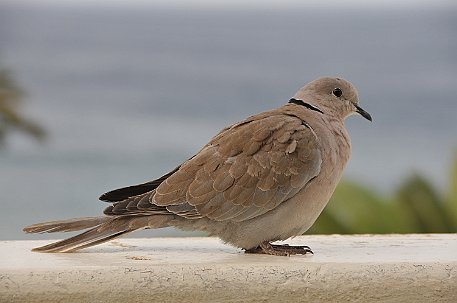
(126, 93)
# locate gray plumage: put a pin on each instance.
(263, 179)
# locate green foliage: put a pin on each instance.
(10, 118)
(415, 207)
(451, 199)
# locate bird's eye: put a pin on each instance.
(337, 92)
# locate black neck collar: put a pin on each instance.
(307, 105)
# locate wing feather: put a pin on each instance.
(243, 172)
(252, 168)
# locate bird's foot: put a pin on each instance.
(279, 250)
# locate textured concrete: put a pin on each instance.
(406, 268)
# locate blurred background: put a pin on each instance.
(100, 94)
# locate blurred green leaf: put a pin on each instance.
(416, 207)
(355, 210)
(422, 200)
(451, 199)
(328, 223)
(11, 96)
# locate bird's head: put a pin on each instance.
(333, 96)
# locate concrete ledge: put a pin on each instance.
(393, 268)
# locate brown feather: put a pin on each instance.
(65, 225)
(223, 180)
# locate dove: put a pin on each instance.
(261, 180)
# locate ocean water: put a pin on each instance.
(126, 94)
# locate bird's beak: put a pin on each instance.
(363, 113)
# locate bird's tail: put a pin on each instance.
(102, 229)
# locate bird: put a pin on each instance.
(266, 178)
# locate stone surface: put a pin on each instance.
(363, 268)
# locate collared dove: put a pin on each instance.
(264, 179)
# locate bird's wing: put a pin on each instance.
(244, 171)
(147, 189)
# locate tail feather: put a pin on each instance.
(86, 239)
(66, 225)
(102, 229)
(99, 241)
